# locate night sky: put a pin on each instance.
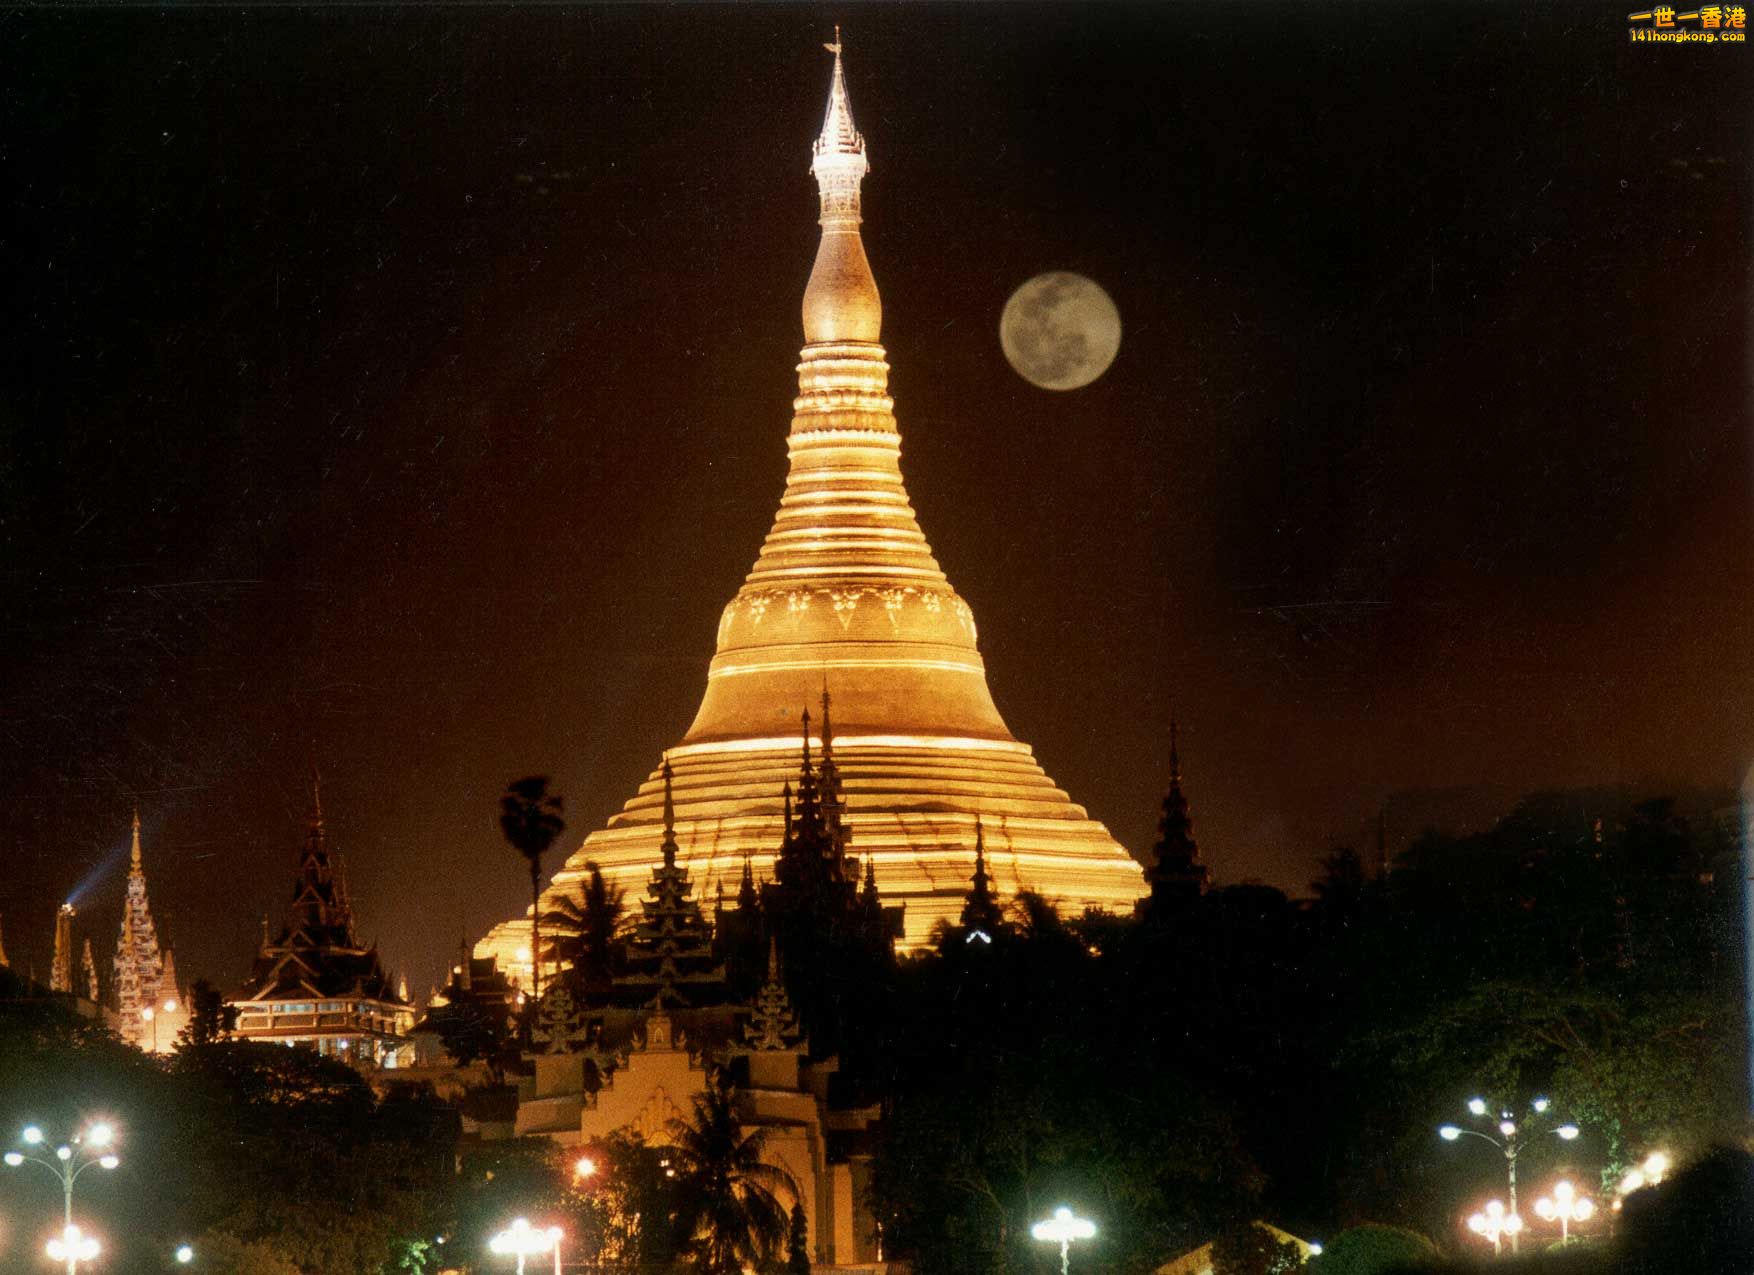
(407, 388)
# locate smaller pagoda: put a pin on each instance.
(152, 1008)
(316, 984)
(671, 963)
(1177, 875)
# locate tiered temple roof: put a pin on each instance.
(316, 982)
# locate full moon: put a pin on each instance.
(1060, 331)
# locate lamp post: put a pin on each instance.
(1565, 1207)
(1493, 1224)
(90, 1146)
(1511, 1140)
(73, 1246)
(1062, 1228)
(522, 1240)
(150, 1015)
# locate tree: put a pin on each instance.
(529, 816)
(224, 1254)
(1251, 1249)
(475, 1028)
(586, 931)
(730, 1198)
(211, 1020)
(798, 1243)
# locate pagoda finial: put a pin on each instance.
(827, 726)
(806, 741)
(746, 896)
(1175, 762)
(669, 815)
(839, 136)
(316, 816)
(135, 856)
(841, 301)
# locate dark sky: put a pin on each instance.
(410, 385)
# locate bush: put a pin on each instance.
(1374, 1250)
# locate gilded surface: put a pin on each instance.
(846, 594)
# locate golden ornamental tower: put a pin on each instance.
(846, 597)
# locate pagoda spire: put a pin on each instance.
(773, 1024)
(841, 301)
(1176, 875)
(138, 967)
(90, 967)
(980, 909)
(747, 898)
(670, 846)
(4, 963)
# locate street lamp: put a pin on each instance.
(150, 1015)
(185, 1254)
(1062, 1228)
(73, 1247)
(1493, 1224)
(89, 1147)
(1566, 1207)
(1651, 1172)
(522, 1239)
(1511, 1140)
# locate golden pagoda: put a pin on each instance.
(846, 598)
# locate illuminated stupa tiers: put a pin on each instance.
(845, 596)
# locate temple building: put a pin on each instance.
(846, 594)
(316, 984)
(677, 1016)
(152, 1008)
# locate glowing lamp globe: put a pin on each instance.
(72, 1245)
(13, 1159)
(100, 1135)
(1449, 1133)
(1477, 1106)
(33, 1135)
(1567, 1131)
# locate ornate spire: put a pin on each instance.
(669, 815)
(134, 857)
(90, 966)
(61, 973)
(4, 963)
(841, 301)
(672, 943)
(980, 909)
(1176, 875)
(316, 815)
(772, 1026)
(747, 898)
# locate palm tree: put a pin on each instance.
(735, 1219)
(585, 932)
(529, 816)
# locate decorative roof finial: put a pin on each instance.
(839, 136)
(806, 741)
(841, 301)
(1175, 764)
(136, 852)
(316, 817)
(669, 816)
